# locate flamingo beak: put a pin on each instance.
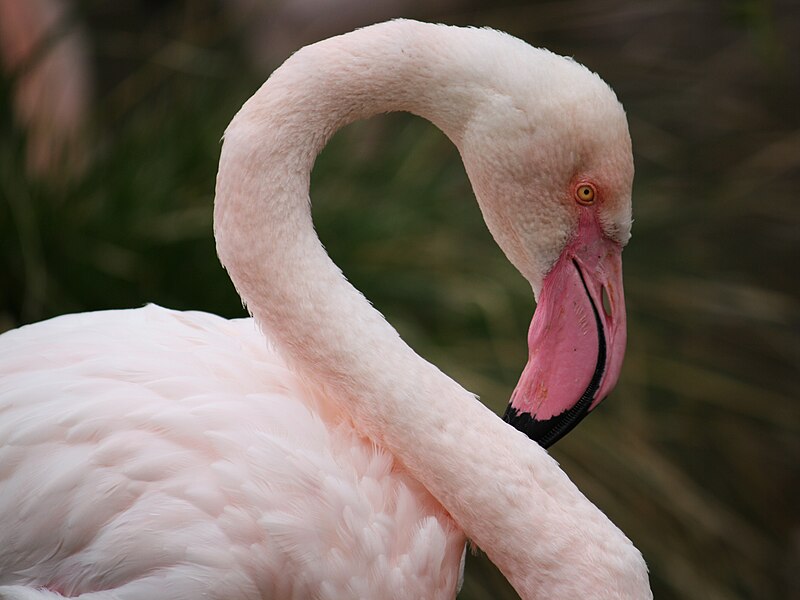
(576, 340)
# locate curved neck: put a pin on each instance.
(507, 494)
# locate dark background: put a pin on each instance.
(695, 455)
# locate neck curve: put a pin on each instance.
(506, 493)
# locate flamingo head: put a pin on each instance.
(553, 172)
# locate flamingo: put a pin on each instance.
(308, 452)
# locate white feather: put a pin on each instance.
(190, 431)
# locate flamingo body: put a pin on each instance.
(190, 431)
(156, 454)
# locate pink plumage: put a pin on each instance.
(176, 451)
(308, 452)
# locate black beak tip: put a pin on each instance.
(544, 432)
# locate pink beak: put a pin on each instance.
(576, 345)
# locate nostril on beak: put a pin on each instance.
(606, 301)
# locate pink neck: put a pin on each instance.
(506, 493)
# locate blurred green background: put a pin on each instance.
(695, 455)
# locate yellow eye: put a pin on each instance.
(585, 194)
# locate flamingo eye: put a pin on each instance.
(585, 194)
